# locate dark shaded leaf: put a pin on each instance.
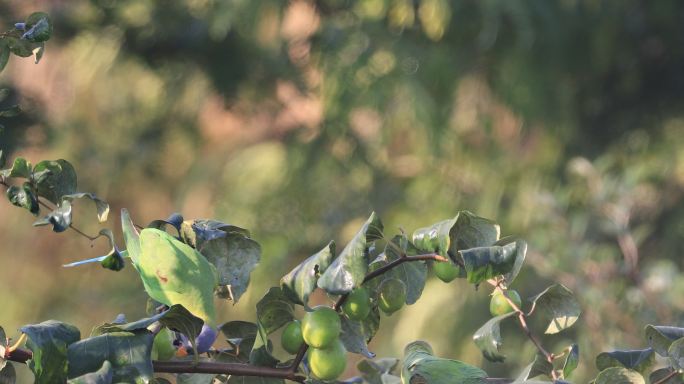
(54, 179)
(39, 27)
(660, 337)
(521, 252)
(274, 310)
(660, 374)
(540, 366)
(261, 351)
(301, 281)
(113, 259)
(21, 47)
(3, 348)
(241, 336)
(60, 218)
(372, 370)
(48, 341)
(348, 270)
(12, 111)
(20, 168)
(413, 274)
(484, 263)
(128, 352)
(571, 361)
(196, 232)
(473, 231)
(435, 238)
(620, 375)
(101, 205)
(104, 375)
(560, 305)
(175, 220)
(234, 256)
(8, 375)
(355, 335)
(195, 378)
(4, 58)
(488, 338)
(641, 360)
(23, 197)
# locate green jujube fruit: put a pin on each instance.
(321, 327)
(357, 306)
(328, 363)
(291, 338)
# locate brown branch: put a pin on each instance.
(522, 320)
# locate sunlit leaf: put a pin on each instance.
(661, 337)
(301, 281)
(23, 197)
(420, 366)
(676, 354)
(20, 168)
(488, 338)
(262, 349)
(372, 371)
(559, 304)
(104, 375)
(348, 270)
(48, 342)
(621, 375)
(101, 205)
(571, 361)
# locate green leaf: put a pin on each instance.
(473, 231)
(253, 380)
(175, 273)
(21, 47)
(261, 350)
(101, 205)
(195, 378)
(104, 375)
(560, 305)
(301, 281)
(676, 354)
(660, 374)
(619, 375)
(23, 197)
(241, 335)
(128, 352)
(59, 218)
(413, 274)
(4, 57)
(348, 270)
(38, 27)
(12, 111)
(234, 256)
(196, 232)
(437, 237)
(131, 238)
(540, 366)
(20, 168)
(48, 341)
(8, 375)
(488, 338)
(641, 360)
(113, 260)
(521, 252)
(274, 310)
(2, 155)
(54, 179)
(571, 361)
(660, 337)
(484, 263)
(372, 371)
(420, 366)
(176, 317)
(355, 335)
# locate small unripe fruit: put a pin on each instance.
(328, 363)
(391, 295)
(357, 306)
(445, 270)
(500, 306)
(291, 338)
(162, 347)
(321, 327)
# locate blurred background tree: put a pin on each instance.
(563, 121)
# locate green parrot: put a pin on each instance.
(172, 271)
(421, 367)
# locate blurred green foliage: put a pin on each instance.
(560, 120)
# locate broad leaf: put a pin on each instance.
(372, 371)
(54, 179)
(620, 375)
(48, 341)
(59, 218)
(660, 337)
(676, 354)
(301, 281)
(20, 168)
(540, 366)
(4, 58)
(241, 335)
(521, 252)
(435, 238)
(113, 260)
(8, 375)
(348, 270)
(420, 366)
(196, 232)
(571, 361)
(38, 27)
(253, 380)
(355, 335)
(641, 360)
(484, 263)
(104, 375)
(413, 273)
(472, 231)
(488, 338)
(274, 310)
(131, 238)
(195, 378)
(128, 352)
(560, 305)
(234, 256)
(101, 205)
(23, 197)
(261, 351)
(659, 374)
(176, 318)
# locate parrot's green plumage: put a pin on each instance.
(172, 271)
(421, 367)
